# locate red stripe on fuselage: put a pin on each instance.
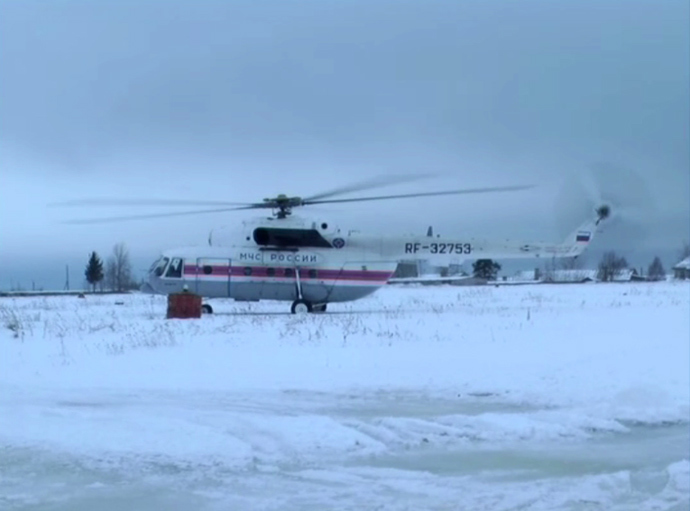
(279, 272)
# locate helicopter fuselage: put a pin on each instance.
(293, 259)
(312, 263)
(251, 274)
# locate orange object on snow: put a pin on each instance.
(184, 305)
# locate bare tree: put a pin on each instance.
(118, 272)
(611, 265)
(110, 274)
(656, 270)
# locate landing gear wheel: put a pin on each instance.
(206, 309)
(320, 308)
(301, 307)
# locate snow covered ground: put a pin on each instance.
(528, 397)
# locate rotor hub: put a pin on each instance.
(283, 204)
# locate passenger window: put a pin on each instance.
(175, 269)
(289, 272)
(270, 272)
(248, 271)
(312, 274)
(208, 269)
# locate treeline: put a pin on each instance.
(610, 267)
(113, 275)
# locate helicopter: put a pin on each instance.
(311, 262)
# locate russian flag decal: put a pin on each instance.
(583, 236)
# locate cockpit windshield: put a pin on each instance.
(175, 269)
(158, 267)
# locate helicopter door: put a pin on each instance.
(213, 277)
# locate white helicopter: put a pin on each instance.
(312, 262)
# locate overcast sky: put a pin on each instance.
(238, 100)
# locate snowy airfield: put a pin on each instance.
(535, 397)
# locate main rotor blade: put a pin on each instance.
(155, 215)
(427, 194)
(368, 184)
(145, 202)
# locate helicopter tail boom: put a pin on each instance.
(446, 250)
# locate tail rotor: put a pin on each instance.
(613, 193)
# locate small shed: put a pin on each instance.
(628, 275)
(682, 269)
(577, 276)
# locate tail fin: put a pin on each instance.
(580, 238)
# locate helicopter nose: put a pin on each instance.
(147, 288)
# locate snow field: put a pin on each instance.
(517, 397)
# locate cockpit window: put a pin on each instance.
(159, 266)
(175, 268)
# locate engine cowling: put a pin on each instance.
(289, 237)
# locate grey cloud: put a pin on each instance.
(236, 77)
(304, 93)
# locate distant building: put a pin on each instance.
(424, 267)
(577, 276)
(557, 276)
(570, 276)
(629, 275)
(527, 276)
(406, 269)
(455, 269)
(682, 269)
